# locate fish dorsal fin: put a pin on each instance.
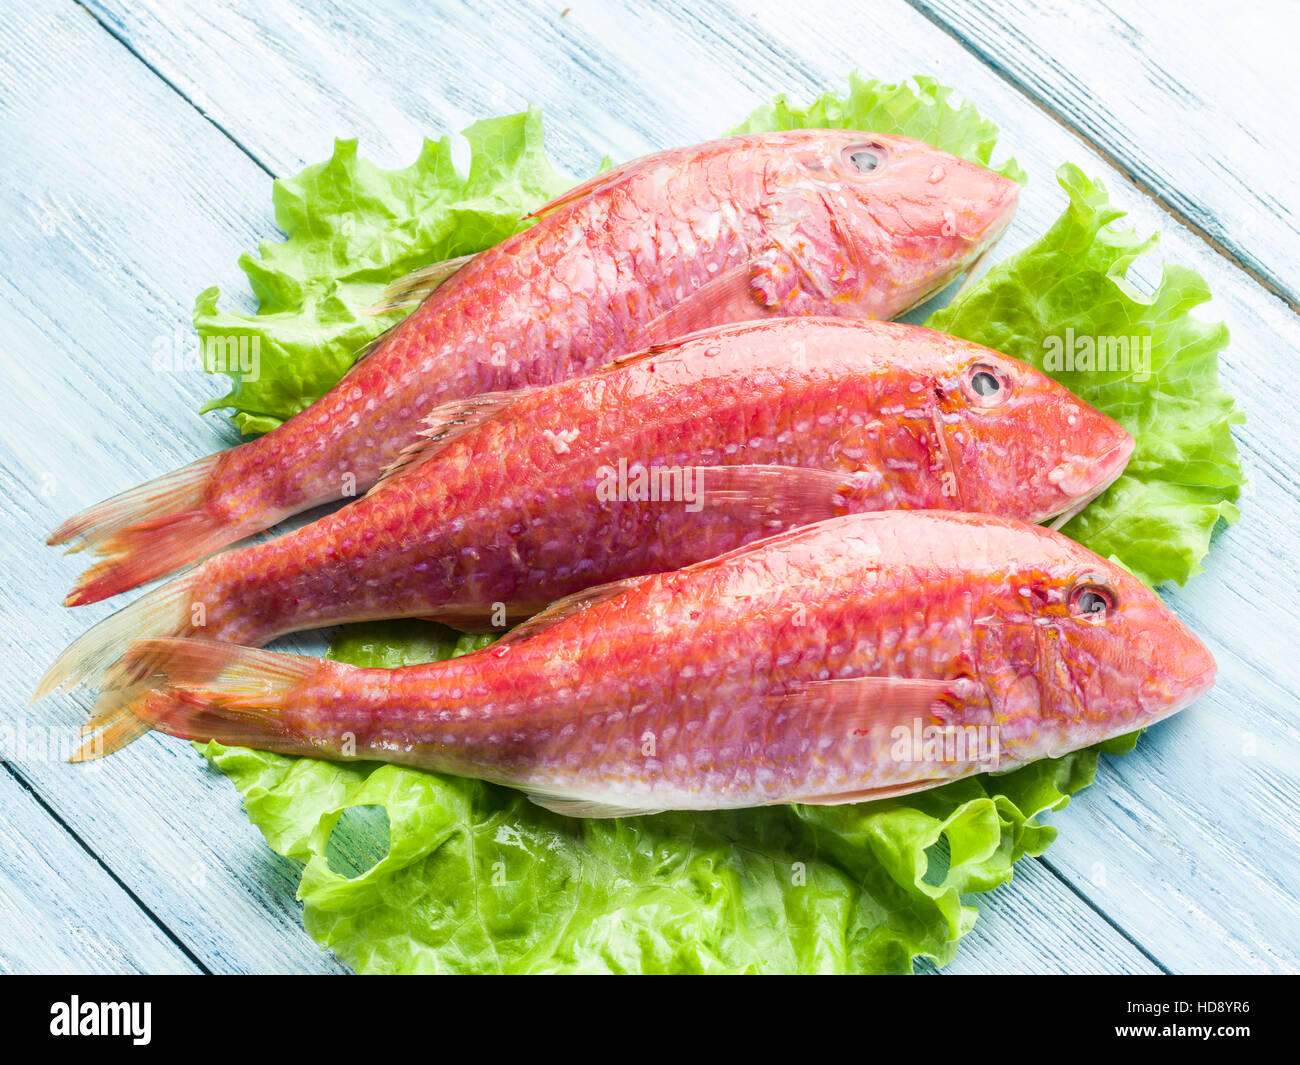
(415, 287)
(407, 291)
(606, 179)
(369, 348)
(447, 423)
(565, 608)
(729, 297)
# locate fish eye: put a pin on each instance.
(985, 385)
(865, 158)
(1091, 601)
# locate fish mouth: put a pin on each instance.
(1005, 202)
(1199, 687)
(1114, 460)
(1199, 664)
(1000, 222)
(972, 271)
(967, 269)
(980, 251)
(1191, 692)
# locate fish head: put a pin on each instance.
(1017, 442)
(910, 216)
(1095, 654)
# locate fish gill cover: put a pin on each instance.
(470, 877)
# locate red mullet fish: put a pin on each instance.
(669, 458)
(827, 222)
(859, 658)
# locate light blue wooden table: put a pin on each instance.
(139, 141)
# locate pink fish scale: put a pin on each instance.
(508, 513)
(602, 268)
(739, 229)
(780, 672)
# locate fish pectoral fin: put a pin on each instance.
(783, 495)
(447, 423)
(884, 705)
(780, 497)
(846, 705)
(419, 285)
(589, 808)
(673, 345)
(729, 297)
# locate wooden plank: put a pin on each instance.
(301, 54)
(1206, 811)
(1037, 925)
(1187, 100)
(60, 912)
(122, 203)
(649, 78)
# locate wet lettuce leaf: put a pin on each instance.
(473, 878)
(1063, 304)
(406, 871)
(920, 108)
(352, 228)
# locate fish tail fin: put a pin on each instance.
(147, 532)
(97, 654)
(201, 690)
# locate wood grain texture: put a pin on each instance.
(122, 203)
(1193, 100)
(1183, 850)
(60, 912)
(1037, 925)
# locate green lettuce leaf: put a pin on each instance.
(412, 872)
(1049, 305)
(462, 876)
(352, 228)
(920, 108)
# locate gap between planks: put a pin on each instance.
(178, 91)
(1143, 186)
(1118, 928)
(76, 837)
